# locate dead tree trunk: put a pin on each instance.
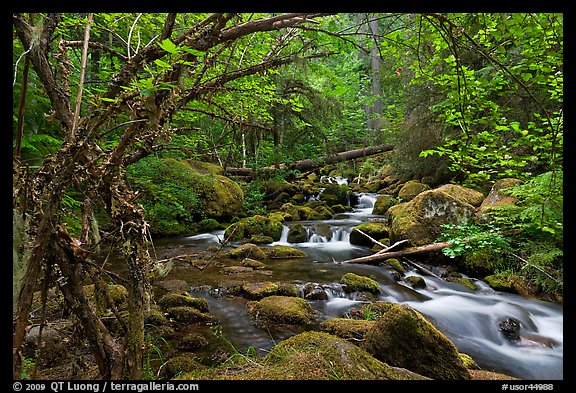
(383, 255)
(310, 164)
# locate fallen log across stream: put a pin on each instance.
(309, 164)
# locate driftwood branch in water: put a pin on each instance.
(383, 255)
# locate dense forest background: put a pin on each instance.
(107, 108)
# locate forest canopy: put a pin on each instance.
(100, 99)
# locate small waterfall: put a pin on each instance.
(284, 236)
(336, 235)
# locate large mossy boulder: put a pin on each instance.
(464, 194)
(421, 219)
(297, 234)
(382, 204)
(335, 194)
(353, 330)
(402, 337)
(410, 189)
(277, 309)
(377, 230)
(496, 197)
(247, 227)
(309, 356)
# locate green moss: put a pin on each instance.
(297, 234)
(394, 264)
(402, 337)
(354, 282)
(281, 309)
(255, 225)
(467, 282)
(416, 281)
(155, 318)
(180, 364)
(259, 290)
(382, 204)
(310, 356)
(464, 194)
(410, 189)
(280, 252)
(177, 299)
(506, 282)
(248, 250)
(374, 229)
(352, 330)
(191, 341)
(190, 315)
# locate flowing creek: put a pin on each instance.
(469, 318)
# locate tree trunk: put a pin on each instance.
(383, 255)
(310, 164)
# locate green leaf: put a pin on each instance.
(169, 46)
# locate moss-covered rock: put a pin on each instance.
(335, 194)
(224, 199)
(248, 250)
(375, 229)
(353, 330)
(382, 204)
(253, 264)
(464, 194)
(395, 264)
(246, 227)
(410, 189)
(421, 219)
(496, 197)
(208, 225)
(285, 252)
(261, 239)
(191, 342)
(320, 212)
(189, 315)
(259, 290)
(416, 282)
(183, 299)
(402, 337)
(354, 282)
(179, 365)
(310, 356)
(506, 282)
(281, 310)
(297, 234)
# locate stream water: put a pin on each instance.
(468, 317)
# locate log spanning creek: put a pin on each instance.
(472, 319)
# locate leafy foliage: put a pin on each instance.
(491, 131)
(170, 194)
(467, 237)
